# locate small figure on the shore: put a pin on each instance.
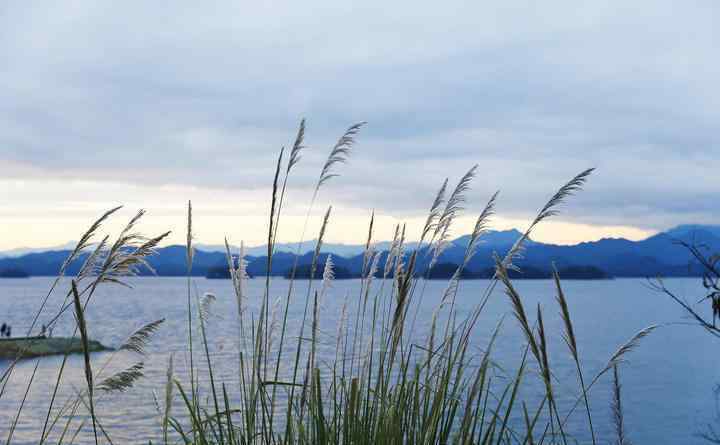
(3, 328)
(43, 329)
(50, 329)
(8, 331)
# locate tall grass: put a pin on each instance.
(387, 383)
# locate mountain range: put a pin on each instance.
(659, 254)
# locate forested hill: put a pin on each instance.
(612, 257)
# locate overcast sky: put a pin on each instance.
(150, 104)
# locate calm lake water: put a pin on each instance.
(669, 383)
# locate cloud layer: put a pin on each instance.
(202, 96)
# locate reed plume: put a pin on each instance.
(434, 214)
(123, 380)
(339, 154)
(547, 211)
(297, 147)
(140, 338)
(452, 209)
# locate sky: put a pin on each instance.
(152, 104)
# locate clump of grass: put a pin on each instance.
(383, 384)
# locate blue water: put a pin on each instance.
(668, 383)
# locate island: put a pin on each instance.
(13, 272)
(218, 273)
(40, 346)
(303, 273)
(445, 271)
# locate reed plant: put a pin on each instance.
(388, 383)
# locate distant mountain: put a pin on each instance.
(13, 273)
(14, 253)
(303, 273)
(345, 250)
(495, 238)
(615, 257)
(689, 230)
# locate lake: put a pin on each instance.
(668, 384)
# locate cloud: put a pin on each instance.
(203, 96)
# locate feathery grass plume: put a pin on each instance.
(232, 268)
(128, 253)
(374, 266)
(617, 410)
(123, 380)
(319, 244)
(114, 262)
(242, 275)
(126, 260)
(339, 154)
(548, 210)
(328, 277)
(81, 245)
(480, 228)
(434, 214)
(392, 252)
(238, 273)
(400, 253)
(451, 289)
(402, 281)
(571, 342)
(128, 237)
(94, 261)
(86, 238)
(294, 159)
(82, 326)
(85, 241)
(274, 209)
(619, 355)
(297, 146)
(168, 399)
(140, 338)
(205, 302)
(368, 258)
(274, 321)
(452, 208)
(327, 273)
(369, 246)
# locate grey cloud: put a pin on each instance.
(206, 95)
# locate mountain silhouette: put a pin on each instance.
(659, 255)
